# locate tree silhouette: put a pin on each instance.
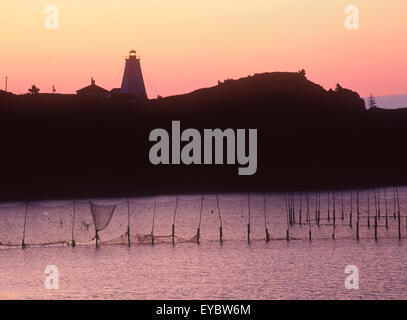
(372, 102)
(33, 90)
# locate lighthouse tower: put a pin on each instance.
(133, 82)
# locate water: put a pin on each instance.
(298, 269)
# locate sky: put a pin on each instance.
(185, 45)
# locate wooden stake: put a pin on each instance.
(357, 230)
(385, 203)
(288, 220)
(152, 228)
(300, 213)
(377, 213)
(351, 209)
(265, 218)
(319, 208)
(368, 209)
(23, 245)
(288, 207)
(334, 207)
(73, 223)
(198, 231)
(357, 205)
(173, 221)
(333, 213)
(398, 211)
(308, 216)
(328, 210)
(220, 220)
(128, 222)
(375, 227)
(97, 238)
(399, 227)
(398, 200)
(248, 225)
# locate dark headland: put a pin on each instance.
(68, 146)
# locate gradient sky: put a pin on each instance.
(185, 45)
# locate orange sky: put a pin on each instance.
(185, 44)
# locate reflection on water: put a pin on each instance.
(234, 270)
(278, 269)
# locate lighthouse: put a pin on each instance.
(133, 83)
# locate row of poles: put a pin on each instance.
(290, 203)
(331, 215)
(198, 230)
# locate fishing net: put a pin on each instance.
(101, 214)
(12, 224)
(130, 217)
(363, 214)
(217, 212)
(48, 224)
(164, 220)
(83, 227)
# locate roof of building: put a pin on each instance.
(92, 89)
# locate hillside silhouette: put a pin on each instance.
(65, 146)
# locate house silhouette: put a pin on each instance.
(93, 90)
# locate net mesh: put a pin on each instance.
(11, 224)
(48, 224)
(101, 214)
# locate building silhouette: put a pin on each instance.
(133, 83)
(93, 90)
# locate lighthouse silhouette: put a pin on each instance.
(133, 83)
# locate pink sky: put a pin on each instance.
(185, 45)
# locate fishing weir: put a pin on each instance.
(346, 214)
